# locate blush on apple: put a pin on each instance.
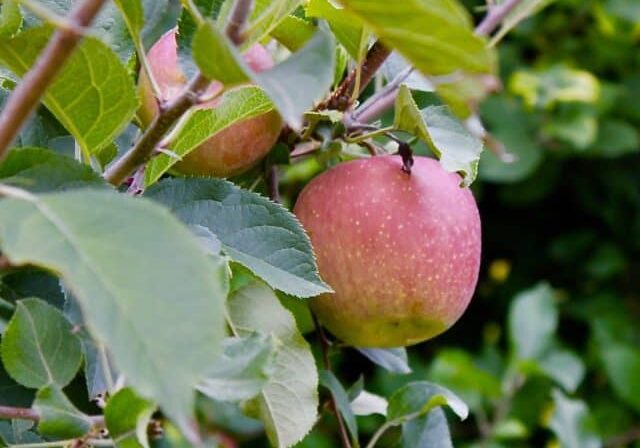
(231, 151)
(401, 252)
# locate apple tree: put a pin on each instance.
(158, 286)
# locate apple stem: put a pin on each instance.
(357, 80)
(272, 178)
(404, 149)
(28, 92)
(238, 20)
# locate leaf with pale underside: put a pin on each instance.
(146, 289)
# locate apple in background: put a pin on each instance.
(233, 150)
(401, 252)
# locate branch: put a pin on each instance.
(27, 94)
(381, 101)
(343, 96)
(11, 413)
(167, 117)
(495, 16)
(238, 20)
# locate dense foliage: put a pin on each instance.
(142, 308)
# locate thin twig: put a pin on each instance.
(325, 345)
(28, 92)
(341, 98)
(11, 413)
(238, 21)
(495, 16)
(272, 177)
(167, 117)
(381, 101)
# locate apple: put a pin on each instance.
(231, 151)
(401, 252)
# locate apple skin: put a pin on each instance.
(231, 151)
(401, 252)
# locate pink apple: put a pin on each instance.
(401, 252)
(231, 151)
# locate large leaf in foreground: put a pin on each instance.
(258, 233)
(144, 286)
(288, 405)
(93, 96)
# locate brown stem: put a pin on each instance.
(238, 20)
(28, 92)
(342, 97)
(272, 177)
(325, 345)
(5, 263)
(168, 116)
(495, 16)
(10, 413)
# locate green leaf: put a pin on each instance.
(565, 368)
(330, 382)
(255, 232)
(533, 319)
(622, 363)
(430, 430)
(93, 96)
(58, 416)
(38, 348)
(242, 370)
(10, 18)
(288, 405)
(136, 272)
(237, 105)
(392, 359)
(127, 417)
(570, 423)
(418, 398)
(366, 403)
(293, 32)
(457, 148)
(407, 116)
(133, 13)
(40, 170)
(293, 85)
(436, 36)
(347, 28)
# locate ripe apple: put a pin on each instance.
(231, 151)
(401, 252)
